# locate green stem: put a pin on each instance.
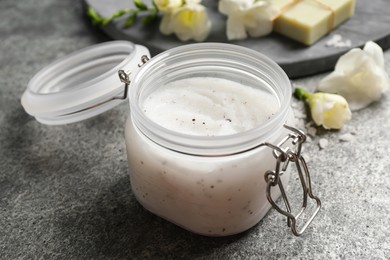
(118, 14)
(301, 94)
(97, 19)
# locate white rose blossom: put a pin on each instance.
(247, 17)
(329, 110)
(190, 21)
(359, 76)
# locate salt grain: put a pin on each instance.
(352, 131)
(312, 131)
(323, 143)
(299, 114)
(337, 42)
(346, 137)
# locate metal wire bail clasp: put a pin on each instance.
(124, 77)
(284, 155)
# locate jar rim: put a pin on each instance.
(211, 145)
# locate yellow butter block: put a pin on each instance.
(308, 20)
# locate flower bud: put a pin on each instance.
(329, 110)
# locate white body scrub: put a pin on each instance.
(210, 195)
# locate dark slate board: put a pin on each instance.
(370, 22)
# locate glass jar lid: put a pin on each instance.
(82, 84)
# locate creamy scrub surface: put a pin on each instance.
(209, 106)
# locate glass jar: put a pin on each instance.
(214, 186)
(209, 185)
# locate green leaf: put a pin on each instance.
(153, 11)
(140, 5)
(148, 19)
(131, 19)
(155, 6)
(105, 21)
(121, 13)
(117, 14)
(94, 16)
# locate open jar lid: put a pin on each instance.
(82, 84)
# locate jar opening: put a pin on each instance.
(210, 60)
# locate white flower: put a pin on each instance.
(247, 17)
(188, 2)
(166, 24)
(359, 76)
(329, 110)
(165, 6)
(187, 22)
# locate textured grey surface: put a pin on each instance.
(65, 192)
(371, 22)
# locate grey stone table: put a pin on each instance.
(65, 191)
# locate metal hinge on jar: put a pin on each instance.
(284, 155)
(124, 77)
